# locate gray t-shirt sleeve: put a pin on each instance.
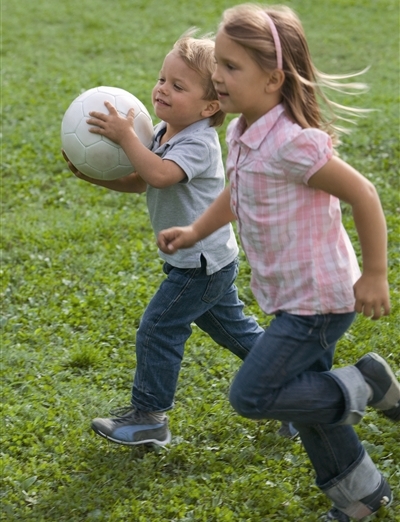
(194, 155)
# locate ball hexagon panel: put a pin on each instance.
(74, 149)
(93, 154)
(72, 118)
(102, 156)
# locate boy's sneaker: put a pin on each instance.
(382, 497)
(287, 430)
(131, 426)
(385, 387)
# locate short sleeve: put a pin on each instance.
(193, 155)
(303, 155)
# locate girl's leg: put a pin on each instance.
(281, 378)
(345, 472)
(278, 380)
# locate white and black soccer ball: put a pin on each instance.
(93, 154)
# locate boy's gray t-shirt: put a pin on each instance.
(197, 151)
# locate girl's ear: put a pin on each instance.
(275, 81)
(212, 107)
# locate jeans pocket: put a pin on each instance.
(333, 327)
(220, 282)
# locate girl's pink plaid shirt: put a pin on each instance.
(301, 257)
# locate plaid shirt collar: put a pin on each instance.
(253, 136)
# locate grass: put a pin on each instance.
(79, 265)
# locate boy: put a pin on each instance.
(182, 175)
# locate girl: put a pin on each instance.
(286, 183)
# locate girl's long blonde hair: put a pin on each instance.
(303, 88)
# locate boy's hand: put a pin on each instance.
(172, 239)
(372, 296)
(113, 125)
(74, 170)
(72, 167)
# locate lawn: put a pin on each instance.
(79, 265)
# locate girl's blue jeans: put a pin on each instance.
(187, 296)
(287, 377)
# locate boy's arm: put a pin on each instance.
(132, 183)
(339, 179)
(217, 215)
(155, 171)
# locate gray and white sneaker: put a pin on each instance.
(131, 427)
(383, 383)
(287, 430)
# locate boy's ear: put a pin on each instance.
(212, 107)
(275, 81)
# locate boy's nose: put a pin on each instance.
(215, 77)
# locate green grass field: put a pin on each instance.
(79, 265)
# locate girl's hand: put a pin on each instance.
(113, 126)
(172, 239)
(372, 296)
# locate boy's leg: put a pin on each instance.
(228, 326)
(160, 340)
(275, 381)
(166, 326)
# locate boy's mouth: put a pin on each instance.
(162, 102)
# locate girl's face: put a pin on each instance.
(178, 94)
(239, 80)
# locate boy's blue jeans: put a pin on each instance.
(287, 377)
(187, 296)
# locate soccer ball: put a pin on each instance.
(93, 154)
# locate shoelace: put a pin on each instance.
(122, 411)
(121, 414)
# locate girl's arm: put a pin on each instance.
(216, 216)
(155, 171)
(131, 183)
(339, 179)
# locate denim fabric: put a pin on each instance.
(286, 377)
(349, 491)
(187, 296)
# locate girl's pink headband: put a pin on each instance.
(277, 41)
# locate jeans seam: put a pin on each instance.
(147, 338)
(328, 446)
(218, 324)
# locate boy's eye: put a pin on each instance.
(178, 87)
(161, 80)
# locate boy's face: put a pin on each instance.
(177, 95)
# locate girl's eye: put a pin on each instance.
(229, 67)
(161, 80)
(178, 87)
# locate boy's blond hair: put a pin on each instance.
(198, 54)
